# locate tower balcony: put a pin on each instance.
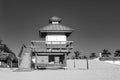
(51, 46)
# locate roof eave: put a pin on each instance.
(64, 31)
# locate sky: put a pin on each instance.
(96, 23)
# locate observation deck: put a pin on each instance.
(51, 46)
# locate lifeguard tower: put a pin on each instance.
(53, 51)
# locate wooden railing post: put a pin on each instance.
(87, 63)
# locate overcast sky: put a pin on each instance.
(96, 22)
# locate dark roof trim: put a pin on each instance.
(55, 31)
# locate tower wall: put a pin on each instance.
(55, 38)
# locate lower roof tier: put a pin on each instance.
(49, 53)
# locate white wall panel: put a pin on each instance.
(56, 38)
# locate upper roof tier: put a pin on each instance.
(55, 26)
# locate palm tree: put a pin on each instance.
(117, 53)
(105, 53)
(93, 55)
(77, 54)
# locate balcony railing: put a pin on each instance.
(51, 46)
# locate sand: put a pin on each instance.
(98, 71)
(62, 75)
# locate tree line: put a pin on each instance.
(105, 54)
(7, 56)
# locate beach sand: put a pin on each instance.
(102, 71)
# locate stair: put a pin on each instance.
(25, 64)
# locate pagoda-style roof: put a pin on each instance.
(55, 26)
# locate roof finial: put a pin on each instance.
(55, 20)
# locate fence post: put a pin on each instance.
(87, 63)
(74, 63)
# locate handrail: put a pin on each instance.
(51, 47)
(50, 41)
